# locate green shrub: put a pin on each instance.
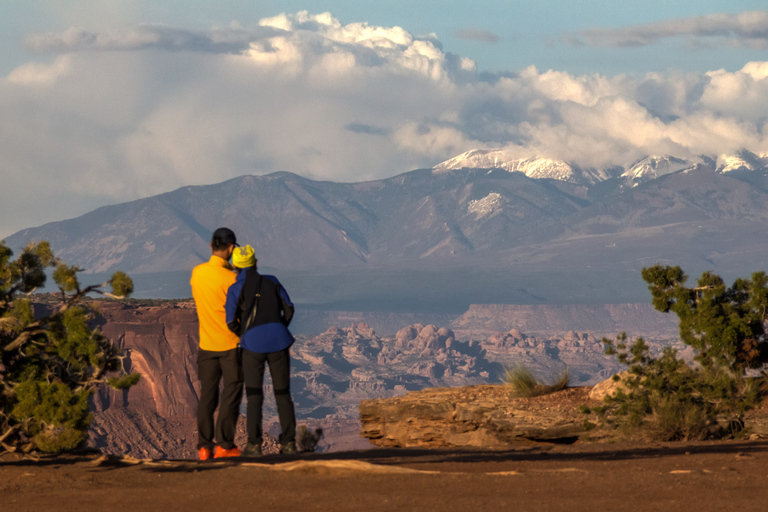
(666, 399)
(307, 440)
(50, 366)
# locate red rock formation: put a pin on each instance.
(160, 343)
(157, 417)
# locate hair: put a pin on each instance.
(218, 244)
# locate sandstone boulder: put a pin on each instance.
(405, 335)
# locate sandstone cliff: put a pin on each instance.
(160, 343)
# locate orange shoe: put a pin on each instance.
(204, 454)
(223, 452)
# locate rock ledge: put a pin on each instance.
(481, 416)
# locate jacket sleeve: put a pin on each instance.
(288, 311)
(233, 306)
(288, 308)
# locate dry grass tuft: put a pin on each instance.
(524, 383)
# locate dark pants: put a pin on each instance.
(279, 368)
(213, 367)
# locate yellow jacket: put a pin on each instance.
(210, 282)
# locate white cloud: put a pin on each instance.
(127, 113)
(35, 72)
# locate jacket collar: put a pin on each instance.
(220, 262)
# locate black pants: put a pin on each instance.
(279, 368)
(213, 367)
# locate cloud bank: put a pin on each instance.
(115, 116)
(747, 29)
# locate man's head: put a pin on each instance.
(223, 243)
(244, 257)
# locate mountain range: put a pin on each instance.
(479, 228)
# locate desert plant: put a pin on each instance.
(51, 364)
(665, 398)
(308, 440)
(522, 381)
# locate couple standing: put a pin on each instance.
(244, 321)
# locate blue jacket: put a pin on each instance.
(259, 310)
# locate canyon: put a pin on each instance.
(334, 371)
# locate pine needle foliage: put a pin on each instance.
(666, 399)
(51, 365)
(522, 382)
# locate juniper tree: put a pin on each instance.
(51, 364)
(725, 327)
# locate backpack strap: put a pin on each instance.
(251, 294)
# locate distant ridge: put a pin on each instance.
(553, 320)
(520, 232)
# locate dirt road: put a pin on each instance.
(590, 477)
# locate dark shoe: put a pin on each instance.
(289, 449)
(251, 450)
(204, 454)
(226, 452)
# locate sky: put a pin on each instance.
(106, 101)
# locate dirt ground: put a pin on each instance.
(712, 476)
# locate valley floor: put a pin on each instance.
(711, 476)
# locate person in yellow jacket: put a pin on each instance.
(219, 357)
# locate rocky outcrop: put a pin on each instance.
(609, 387)
(490, 417)
(487, 416)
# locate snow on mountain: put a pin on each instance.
(648, 168)
(653, 167)
(476, 159)
(744, 160)
(488, 205)
(537, 168)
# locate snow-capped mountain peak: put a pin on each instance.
(538, 168)
(653, 167)
(648, 168)
(475, 159)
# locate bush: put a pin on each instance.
(307, 440)
(524, 383)
(667, 399)
(51, 366)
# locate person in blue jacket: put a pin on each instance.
(259, 310)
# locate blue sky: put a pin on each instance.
(111, 100)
